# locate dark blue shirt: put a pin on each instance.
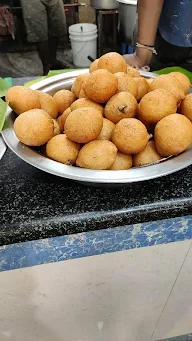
(176, 22)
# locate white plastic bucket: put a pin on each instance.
(83, 39)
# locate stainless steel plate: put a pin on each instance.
(3, 147)
(64, 81)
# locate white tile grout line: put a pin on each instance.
(190, 246)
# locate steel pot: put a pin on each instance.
(127, 19)
(104, 4)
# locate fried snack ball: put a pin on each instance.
(64, 99)
(94, 66)
(122, 162)
(97, 154)
(120, 106)
(147, 155)
(132, 72)
(78, 84)
(107, 130)
(173, 135)
(83, 125)
(130, 136)
(156, 105)
(34, 127)
(150, 127)
(62, 118)
(60, 123)
(82, 94)
(48, 103)
(169, 83)
(126, 84)
(62, 149)
(21, 99)
(113, 62)
(56, 128)
(186, 107)
(100, 86)
(149, 81)
(65, 114)
(143, 87)
(85, 102)
(184, 80)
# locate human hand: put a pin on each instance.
(139, 59)
(132, 60)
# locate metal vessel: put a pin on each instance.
(104, 4)
(127, 20)
(94, 177)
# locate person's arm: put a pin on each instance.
(148, 19)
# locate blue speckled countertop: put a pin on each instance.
(37, 205)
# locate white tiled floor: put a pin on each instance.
(177, 315)
(113, 297)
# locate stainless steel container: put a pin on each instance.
(127, 19)
(88, 176)
(104, 4)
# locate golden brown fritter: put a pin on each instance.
(98, 155)
(34, 127)
(83, 125)
(173, 135)
(130, 136)
(62, 149)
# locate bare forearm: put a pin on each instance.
(149, 12)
